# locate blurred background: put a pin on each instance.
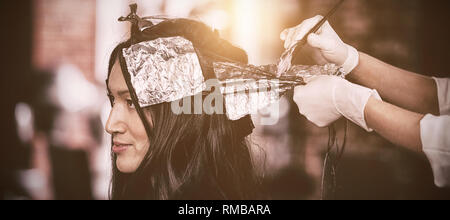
(54, 104)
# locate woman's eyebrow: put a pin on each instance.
(123, 92)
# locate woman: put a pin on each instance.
(157, 154)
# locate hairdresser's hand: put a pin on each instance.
(328, 47)
(325, 99)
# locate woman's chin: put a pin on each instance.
(125, 166)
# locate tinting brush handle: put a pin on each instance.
(299, 45)
(302, 42)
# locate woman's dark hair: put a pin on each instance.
(190, 156)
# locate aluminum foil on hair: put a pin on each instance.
(164, 70)
(168, 69)
(300, 74)
(248, 89)
(244, 97)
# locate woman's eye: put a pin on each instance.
(111, 99)
(130, 103)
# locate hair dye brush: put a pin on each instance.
(286, 58)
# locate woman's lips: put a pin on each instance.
(120, 147)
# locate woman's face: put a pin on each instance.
(130, 140)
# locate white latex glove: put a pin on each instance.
(328, 47)
(325, 99)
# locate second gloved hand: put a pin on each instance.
(325, 99)
(328, 46)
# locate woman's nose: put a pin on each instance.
(115, 123)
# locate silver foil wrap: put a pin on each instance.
(248, 89)
(299, 74)
(243, 97)
(164, 70)
(309, 72)
(168, 69)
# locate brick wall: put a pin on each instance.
(64, 31)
